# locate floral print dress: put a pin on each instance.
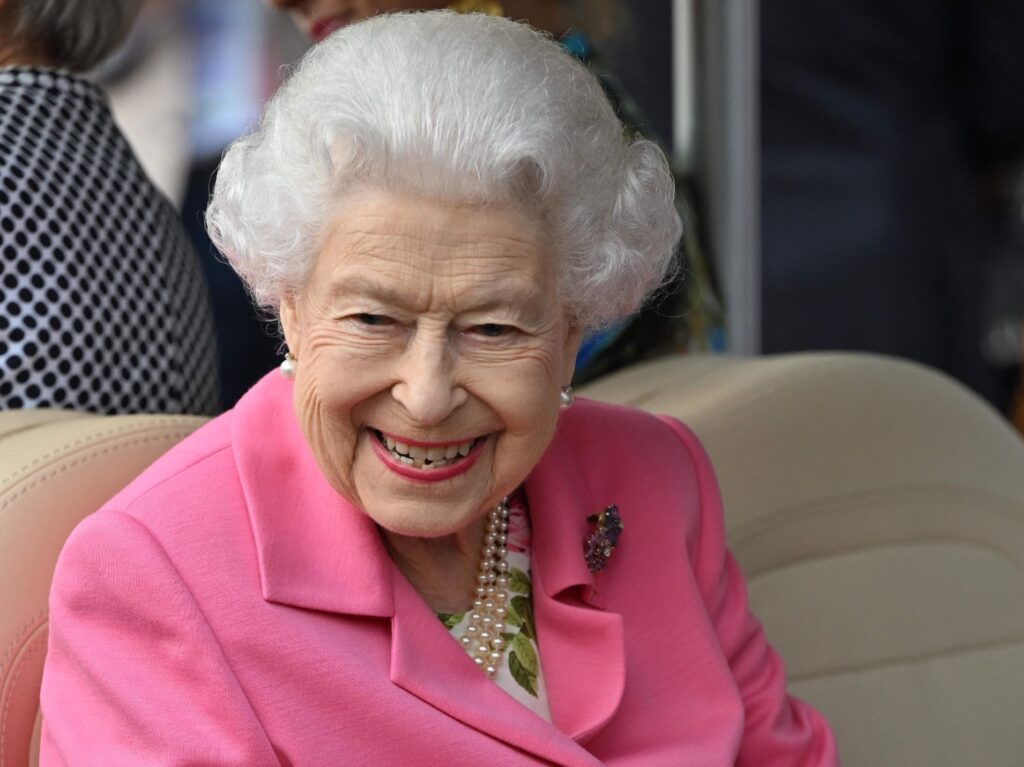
(519, 673)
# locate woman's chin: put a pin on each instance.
(403, 502)
(424, 519)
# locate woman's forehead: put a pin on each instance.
(391, 245)
(375, 216)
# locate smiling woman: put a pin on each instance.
(411, 546)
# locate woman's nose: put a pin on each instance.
(426, 385)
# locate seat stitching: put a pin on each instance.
(67, 466)
(791, 515)
(888, 545)
(27, 628)
(33, 649)
(855, 668)
(894, 492)
(156, 422)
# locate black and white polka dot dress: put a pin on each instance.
(103, 306)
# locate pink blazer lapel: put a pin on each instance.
(427, 662)
(314, 549)
(581, 646)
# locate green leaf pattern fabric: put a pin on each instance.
(520, 672)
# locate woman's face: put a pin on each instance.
(318, 18)
(431, 348)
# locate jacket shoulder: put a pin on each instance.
(623, 449)
(603, 426)
(200, 454)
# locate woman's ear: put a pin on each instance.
(573, 339)
(290, 323)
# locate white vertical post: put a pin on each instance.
(684, 84)
(725, 36)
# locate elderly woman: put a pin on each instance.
(409, 546)
(103, 305)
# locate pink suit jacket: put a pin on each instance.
(230, 608)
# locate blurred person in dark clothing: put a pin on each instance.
(879, 119)
(102, 303)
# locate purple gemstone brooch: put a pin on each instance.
(600, 544)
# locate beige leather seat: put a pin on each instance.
(878, 510)
(55, 468)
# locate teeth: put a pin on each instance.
(418, 455)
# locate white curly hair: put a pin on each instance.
(469, 108)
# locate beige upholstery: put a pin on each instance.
(55, 468)
(878, 511)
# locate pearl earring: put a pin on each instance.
(566, 397)
(288, 365)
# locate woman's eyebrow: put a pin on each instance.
(361, 286)
(512, 292)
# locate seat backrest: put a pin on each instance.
(877, 508)
(56, 467)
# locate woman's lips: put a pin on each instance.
(403, 444)
(410, 459)
(321, 28)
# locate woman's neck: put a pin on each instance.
(442, 570)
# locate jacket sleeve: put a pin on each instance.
(134, 674)
(780, 731)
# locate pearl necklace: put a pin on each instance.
(482, 637)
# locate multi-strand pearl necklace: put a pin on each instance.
(482, 637)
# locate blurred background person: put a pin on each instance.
(891, 131)
(103, 306)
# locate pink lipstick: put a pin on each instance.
(403, 465)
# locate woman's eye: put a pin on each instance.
(373, 320)
(492, 330)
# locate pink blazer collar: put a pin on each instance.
(315, 549)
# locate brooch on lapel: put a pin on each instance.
(599, 545)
